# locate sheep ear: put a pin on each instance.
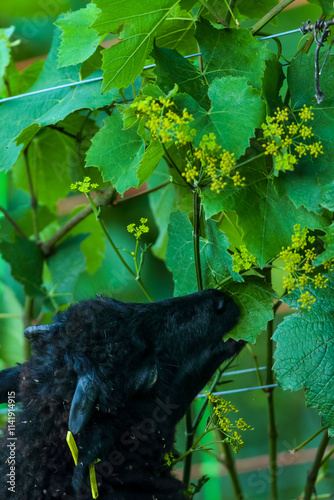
(82, 404)
(35, 331)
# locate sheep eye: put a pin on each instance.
(146, 379)
(152, 377)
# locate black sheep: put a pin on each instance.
(119, 376)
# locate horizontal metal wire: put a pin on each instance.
(279, 34)
(247, 370)
(73, 84)
(100, 78)
(235, 391)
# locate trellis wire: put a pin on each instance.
(73, 84)
(244, 389)
(100, 78)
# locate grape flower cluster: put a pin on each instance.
(243, 259)
(286, 141)
(299, 257)
(137, 231)
(84, 186)
(222, 409)
(207, 164)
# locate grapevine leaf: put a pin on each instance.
(93, 247)
(327, 200)
(261, 212)
(216, 262)
(117, 153)
(51, 156)
(26, 261)
(255, 9)
(272, 82)
(255, 299)
(305, 352)
(49, 107)
(78, 40)
(21, 81)
(149, 161)
(326, 5)
(177, 32)
(65, 265)
(162, 203)
(22, 218)
(188, 78)
(123, 62)
(236, 110)
(307, 184)
(328, 240)
(231, 52)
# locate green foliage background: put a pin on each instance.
(53, 139)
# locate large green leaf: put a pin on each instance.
(177, 32)
(255, 299)
(326, 5)
(123, 62)
(328, 240)
(24, 221)
(266, 219)
(216, 262)
(93, 247)
(305, 352)
(232, 52)
(47, 108)
(188, 78)
(162, 203)
(26, 261)
(117, 153)
(149, 161)
(255, 9)
(78, 40)
(51, 156)
(236, 110)
(307, 184)
(21, 81)
(66, 264)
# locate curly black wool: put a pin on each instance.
(119, 376)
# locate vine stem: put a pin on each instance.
(33, 197)
(104, 229)
(189, 444)
(270, 15)
(196, 237)
(28, 315)
(104, 199)
(313, 473)
(189, 424)
(12, 222)
(299, 447)
(271, 411)
(230, 465)
(229, 13)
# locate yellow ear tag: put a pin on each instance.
(93, 483)
(73, 446)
